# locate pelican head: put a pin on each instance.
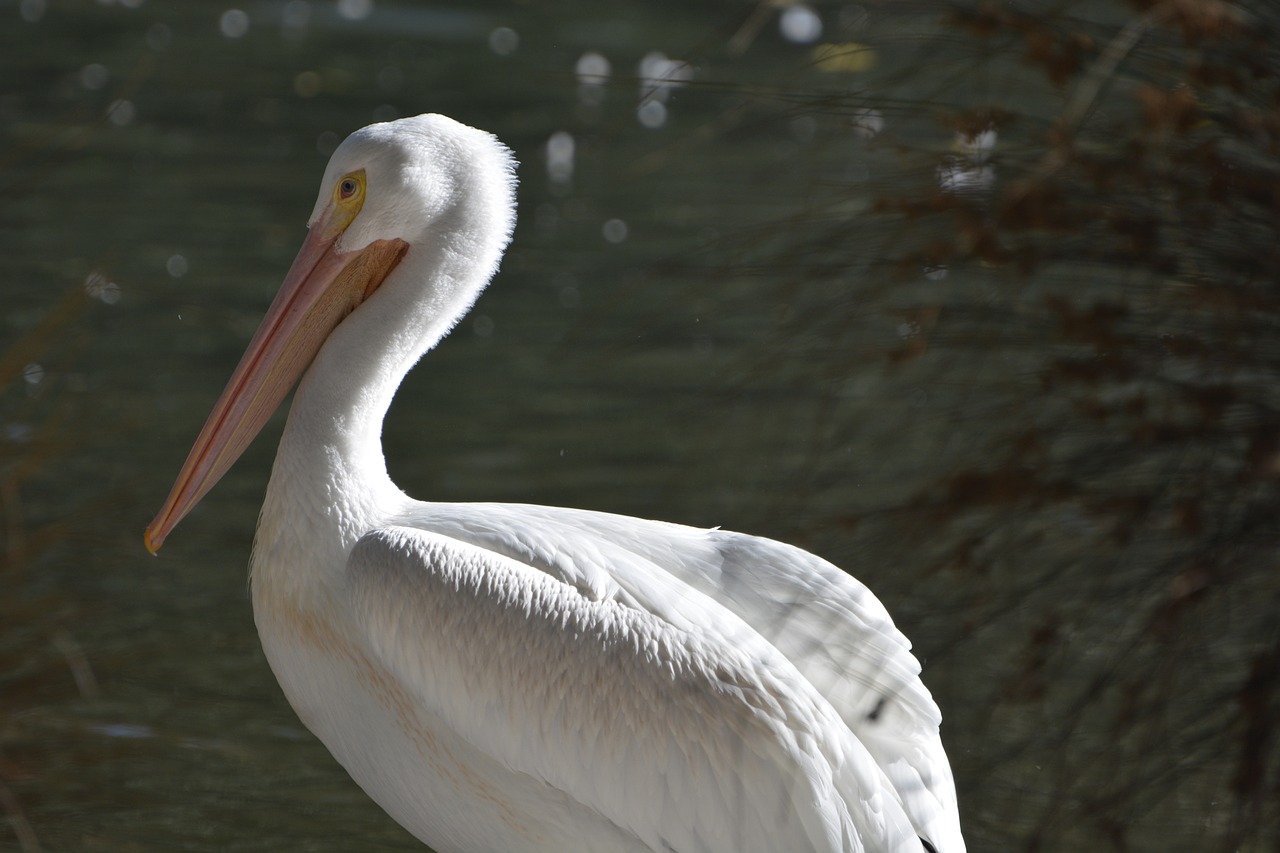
(427, 179)
(400, 203)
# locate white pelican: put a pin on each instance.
(515, 678)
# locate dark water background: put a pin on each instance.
(977, 301)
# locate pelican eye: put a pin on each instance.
(348, 199)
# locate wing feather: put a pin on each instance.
(824, 621)
(700, 735)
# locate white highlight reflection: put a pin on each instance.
(234, 23)
(800, 24)
(560, 154)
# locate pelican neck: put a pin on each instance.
(330, 465)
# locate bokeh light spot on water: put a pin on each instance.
(659, 75)
(615, 230)
(33, 375)
(159, 37)
(560, 152)
(385, 112)
(355, 10)
(31, 10)
(121, 112)
(306, 84)
(968, 171)
(867, 123)
(482, 326)
(592, 69)
(101, 288)
(176, 266)
(94, 76)
(652, 114)
(234, 23)
(504, 41)
(957, 175)
(800, 24)
(977, 146)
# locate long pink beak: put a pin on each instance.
(322, 287)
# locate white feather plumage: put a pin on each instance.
(518, 678)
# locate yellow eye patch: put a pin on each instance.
(350, 190)
(348, 198)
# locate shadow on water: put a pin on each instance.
(976, 300)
